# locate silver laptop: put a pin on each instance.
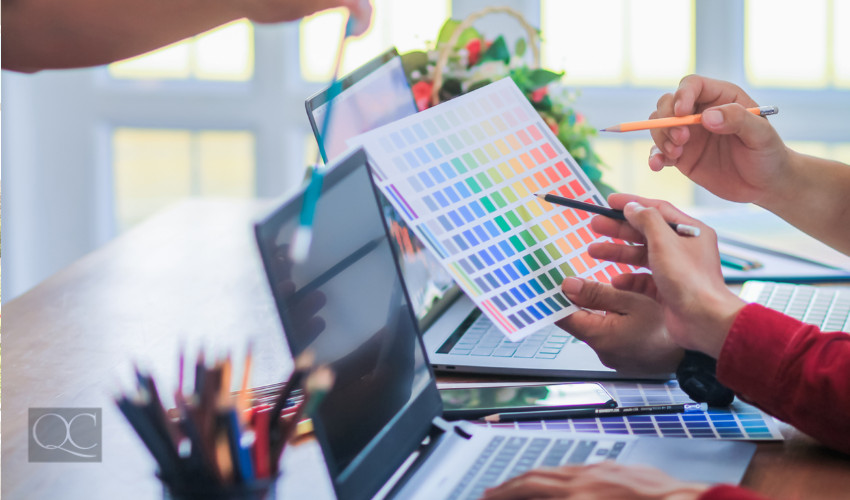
(457, 336)
(380, 425)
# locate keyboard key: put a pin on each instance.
(482, 351)
(582, 452)
(504, 352)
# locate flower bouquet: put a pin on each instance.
(462, 60)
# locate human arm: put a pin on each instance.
(792, 370)
(789, 369)
(626, 330)
(740, 157)
(51, 34)
(610, 481)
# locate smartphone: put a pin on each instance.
(478, 402)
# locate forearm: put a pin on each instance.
(792, 370)
(42, 34)
(814, 196)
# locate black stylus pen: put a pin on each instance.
(594, 412)
(681, 229)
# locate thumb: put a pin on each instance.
(648, 221)
(733, 119)
(594, 295)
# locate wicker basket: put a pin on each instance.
(446, 48)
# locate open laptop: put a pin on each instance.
(457, 336)
(348, 304)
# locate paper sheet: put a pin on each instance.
(739, 421)
(463, 176)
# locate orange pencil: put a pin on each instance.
(676, 121)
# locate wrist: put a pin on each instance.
(720, 313)
(786, 182)
(686, 491)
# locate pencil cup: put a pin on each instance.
(261, 489)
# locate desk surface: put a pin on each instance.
(191, 276)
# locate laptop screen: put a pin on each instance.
(347, 303)
(373, 95)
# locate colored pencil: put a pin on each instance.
(681, 229)
(676, 121)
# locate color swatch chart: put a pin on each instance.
(463, 175)
(739, 421)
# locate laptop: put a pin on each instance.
(457, 336)
(380, 427)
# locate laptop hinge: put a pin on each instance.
(439, 429)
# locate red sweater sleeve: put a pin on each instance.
(791, 370)
(729, 492)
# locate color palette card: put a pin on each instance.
(463, 176)
(738, 421)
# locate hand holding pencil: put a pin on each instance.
(698, 308)
(732, 152)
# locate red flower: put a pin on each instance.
(539, 94)
(422, 94)
(579, 118)
(474, 50)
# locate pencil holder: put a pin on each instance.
(260, 489)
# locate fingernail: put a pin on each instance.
(572, 286)
(712, 118)
(634, 206)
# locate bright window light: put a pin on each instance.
(400, 23)
(154, 168)
(570, 28)
(618, 42)
(661, 41)
(222, 54)
(786, 43)
(841, 42)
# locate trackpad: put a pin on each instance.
(694, 460)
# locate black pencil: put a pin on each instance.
(594, 412)
(681, 229)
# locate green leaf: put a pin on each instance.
(449, 28)
(498, 51)
(467, 36)
(519, 47)
(412, 61)
(542, 77)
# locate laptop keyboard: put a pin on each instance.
(827, 308)
(507, 457)
(483, 338)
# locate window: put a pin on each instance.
(635, 42)
(154, 168)
(405, 24)
(798, 44)
(225, 54)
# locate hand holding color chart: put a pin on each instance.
(463, 175)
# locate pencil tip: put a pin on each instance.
(603, 130)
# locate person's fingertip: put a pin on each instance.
(712, 118)
(633, 207)
(572, 285)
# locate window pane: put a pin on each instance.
(786, 42)
(661, 36)
(638, 42)
(403, 23)
(225, 53)
(569, 26)
(154, 168)
(226, 161)
(841, 38)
